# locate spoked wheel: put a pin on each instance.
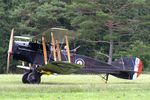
(24, 78)
(34, 78)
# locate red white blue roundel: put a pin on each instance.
(79, 61)
(137, 68)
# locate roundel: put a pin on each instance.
(80, 61)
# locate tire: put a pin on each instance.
(34, 78)
(24, 78)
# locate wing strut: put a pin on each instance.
(68, 50)
(58, 51)
(53, 46)
(44, 50)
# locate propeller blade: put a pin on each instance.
(11, 41)
(10, 49)
(8, 62)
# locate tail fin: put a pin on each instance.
(130, 68)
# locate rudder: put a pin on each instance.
(130, 68)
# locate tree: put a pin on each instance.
(88, 18)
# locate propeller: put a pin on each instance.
(10, 49)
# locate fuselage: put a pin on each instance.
(32, 52)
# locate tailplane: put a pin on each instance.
(130, 68)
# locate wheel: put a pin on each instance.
(34, 78)
(24, 78)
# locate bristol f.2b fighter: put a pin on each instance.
(45, 56)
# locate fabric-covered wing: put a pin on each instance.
(61, 67)
(59, 34)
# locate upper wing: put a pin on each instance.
(59, 34)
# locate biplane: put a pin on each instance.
(45, 56)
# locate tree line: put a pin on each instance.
(97, 23)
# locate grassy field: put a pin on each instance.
(75, 87)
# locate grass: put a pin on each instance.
(75, 87)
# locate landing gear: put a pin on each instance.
(31, 77)
(105, 77)
(24, 78)
(34, 78)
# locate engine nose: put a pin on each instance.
(14, 49)
(22, 51)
